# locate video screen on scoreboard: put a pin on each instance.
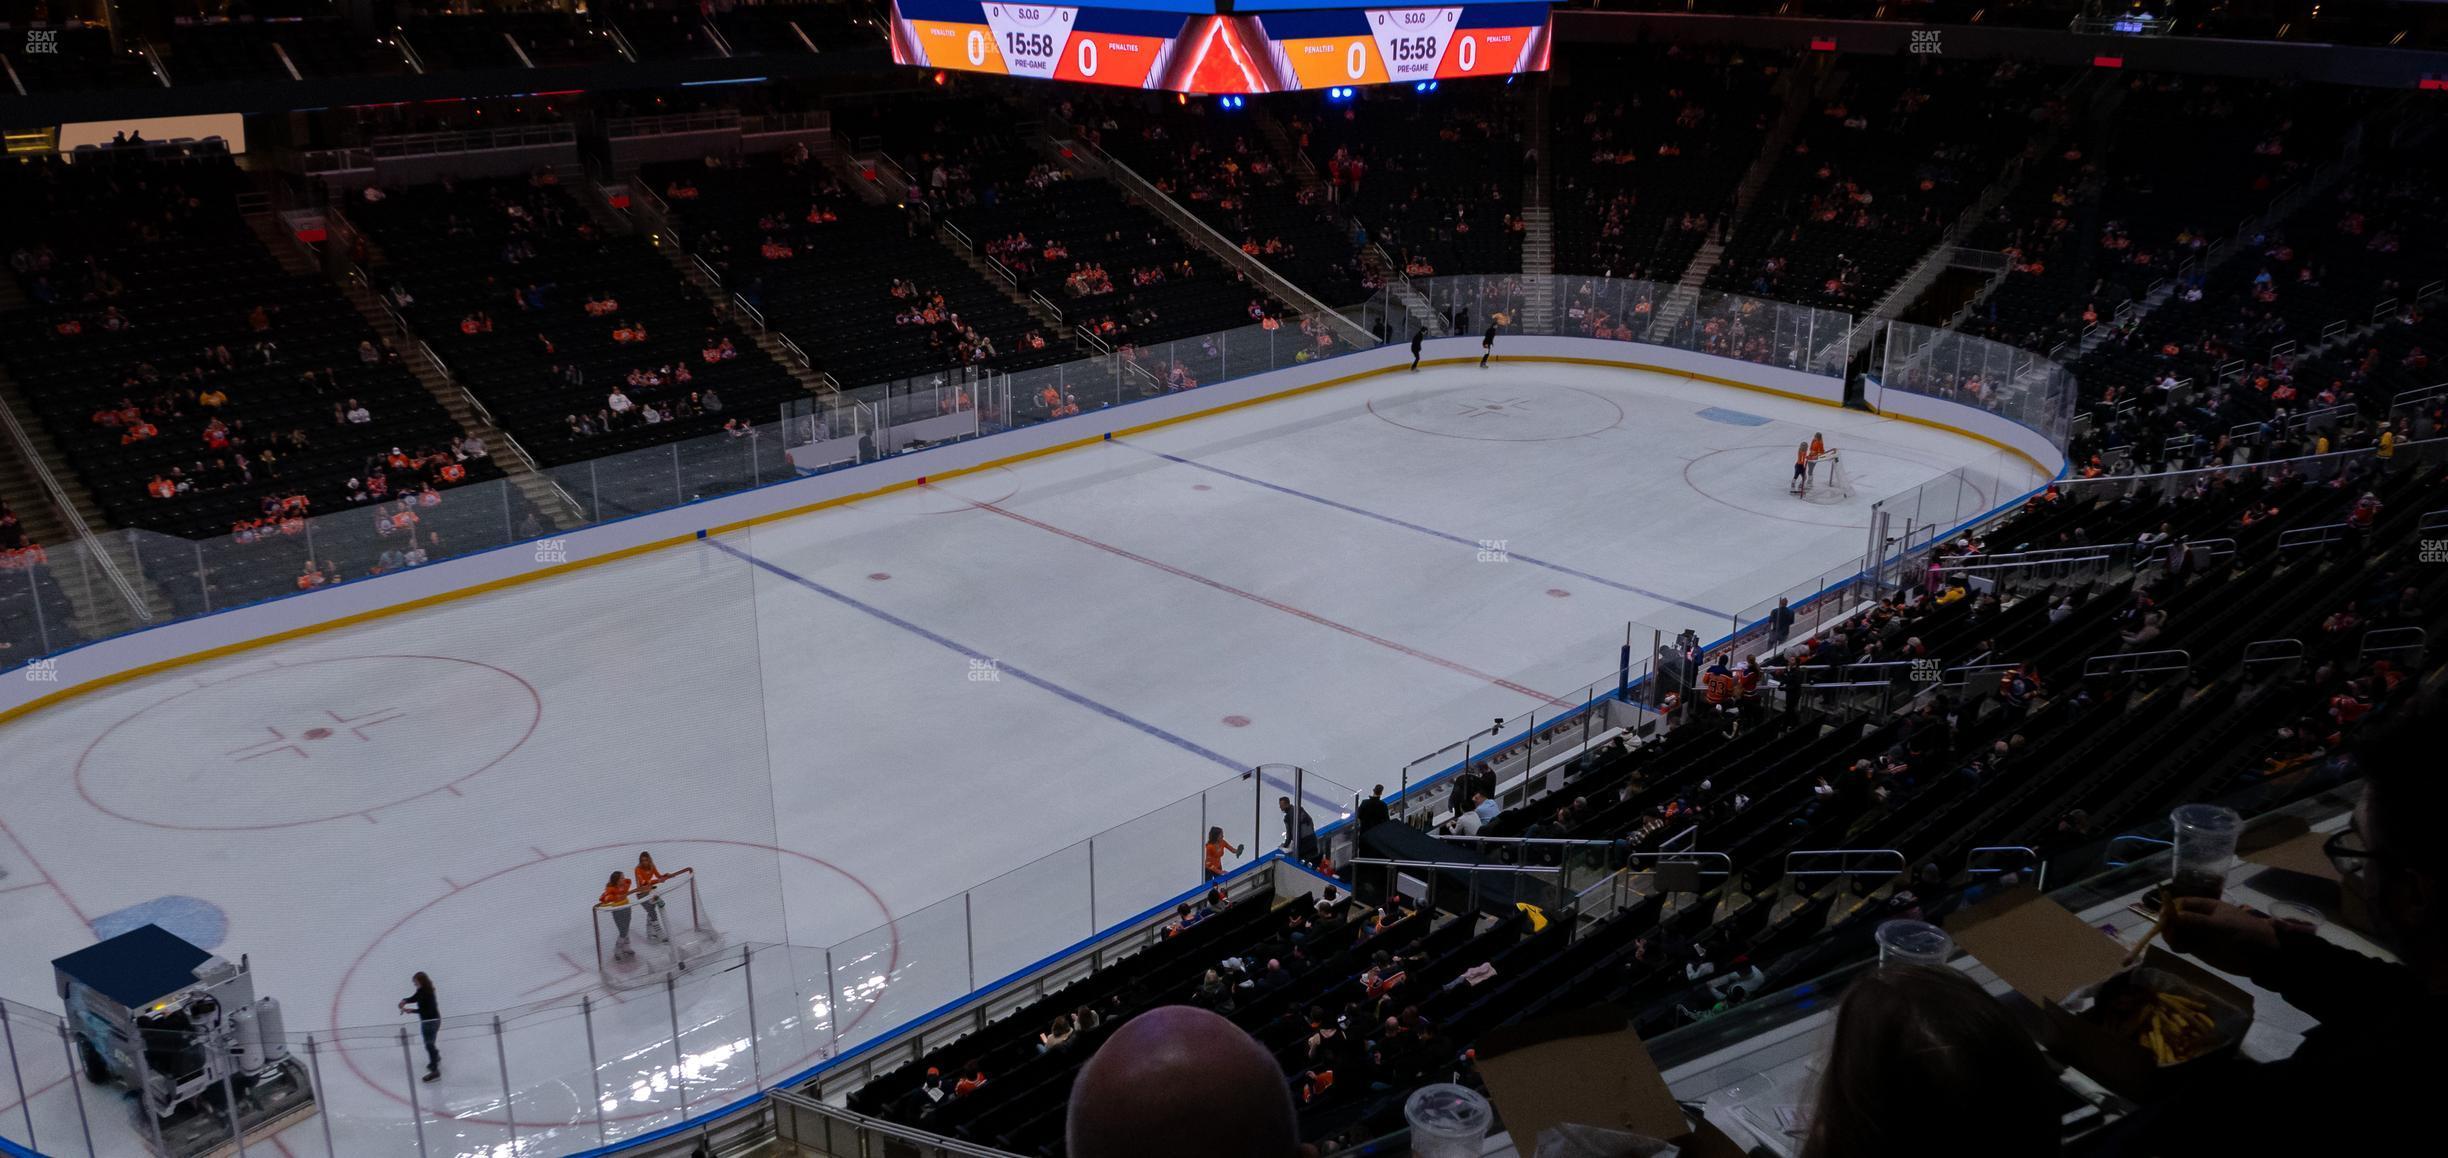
(1151, 46)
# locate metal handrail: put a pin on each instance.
(1476, 838)
(470, 140)
(862, 1124)
(2129, 480)
(2295, 537)
(1956, 568)
(666, 124)
(58, 497)
(2267, 651)
(2420, 641)
(1275, 283)
(435, 360)
(2035, 553)
(2030, 857)
(1956, 677)
(1462, 866)
(1685, 856)
(1846, 854)
(2108, 665)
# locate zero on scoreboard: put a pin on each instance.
(1173, 46)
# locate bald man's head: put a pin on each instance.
(1183, 1082)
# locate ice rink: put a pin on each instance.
(845, 717)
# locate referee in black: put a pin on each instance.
(1487, 343)
(1419, 335)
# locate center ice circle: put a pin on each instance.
(308, 741)
(1502, 409)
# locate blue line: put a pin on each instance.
(1432, 532)
(1112, 713)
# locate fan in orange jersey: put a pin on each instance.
(650, 878)
(616, 898)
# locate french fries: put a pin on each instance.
(2174, 1027)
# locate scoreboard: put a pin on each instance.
(1172, 46)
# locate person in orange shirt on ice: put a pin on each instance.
(649, 878)
(616, 898)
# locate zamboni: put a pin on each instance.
(184, 1033)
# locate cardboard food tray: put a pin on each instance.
(1587, 1068)
(2230, 1022)
(2055, 959)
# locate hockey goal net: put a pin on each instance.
(1826, 480)
(659, 932)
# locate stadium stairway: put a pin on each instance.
(1800, 88)
(986, 273)
(1288, 154)
(2314, 188)
(1923, 275)
(98, 617)
(1076, 155)
(1538, 220)
(297, 261)
(776, 344)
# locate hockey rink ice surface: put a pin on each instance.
(843, 718)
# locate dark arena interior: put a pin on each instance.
(1907, 532)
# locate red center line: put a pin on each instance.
(38, 1091)
(1263, 601)
(45, 873)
